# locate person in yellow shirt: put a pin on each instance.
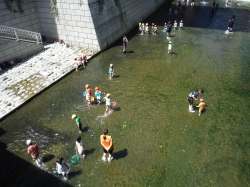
(201, 105)
(107, 144)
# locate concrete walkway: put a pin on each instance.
(24, 81)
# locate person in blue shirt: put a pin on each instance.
(98, 95)
(111, 71)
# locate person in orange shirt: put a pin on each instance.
(201, 105)
(107, 144)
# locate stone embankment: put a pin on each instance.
(24, 81)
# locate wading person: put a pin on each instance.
(111, 71)
(80, 147)
(98, 95)
(108, 104)
(107, 144)
(201, 106)
(62, 168)
(169, 25)
(193, 96)
(170, 47)
(78, 122)
(33, 150)
(125, 43)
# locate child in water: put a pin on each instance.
(201, 105)
(62, 168)
(111, 71)
(170, 47)
(98, 95)
(80, 147)
(107, 144)
(108, 104)
(88, 94)
(76, 64)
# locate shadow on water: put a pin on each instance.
(120, 154)
(48, 157)
(90, 151)
(74, 173)
(13, 173)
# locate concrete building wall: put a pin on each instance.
(93, 24)
(26, 21)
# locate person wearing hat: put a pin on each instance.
(108, 104)
(170, 47)
(78, 122)
(62, 168)
(88, 94)
(98, 95)
(201, 105)
(111, 71)
(33, 150)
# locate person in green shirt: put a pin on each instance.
(78, 122)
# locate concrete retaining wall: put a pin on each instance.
(93, 24)
(27, 21)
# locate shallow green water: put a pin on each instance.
(157, 141)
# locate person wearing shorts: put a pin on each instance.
(107, 144)
(125, 43)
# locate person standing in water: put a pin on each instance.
(78, 122)
(125, 43)
(108, 104)
(98, 95)
(62, 168)
(80, 147)
(107, 144)
(201, 106)
(170, 47)
(33, 150)
(193, 96)
(111, 71)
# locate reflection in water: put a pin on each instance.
(157, 141)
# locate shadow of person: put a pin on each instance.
(120, 154)
(89, 152)
(117, 109)
(48, 157)
(74, 173)
(130, 52)
(85, 129)
(174, 53)
(116, 76)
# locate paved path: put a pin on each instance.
(27, 79)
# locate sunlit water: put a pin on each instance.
(157, 141)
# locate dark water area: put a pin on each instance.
(158, 142)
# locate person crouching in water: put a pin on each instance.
(88, 94)
(98, 95)
(62, 168)
(33, 150)
(111, 71)
(80, 147)
(107, 144)
(201, 106)
(108, 104)
(193, 96)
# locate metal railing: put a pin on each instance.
(20, 35)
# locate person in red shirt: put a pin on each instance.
(33, 150)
